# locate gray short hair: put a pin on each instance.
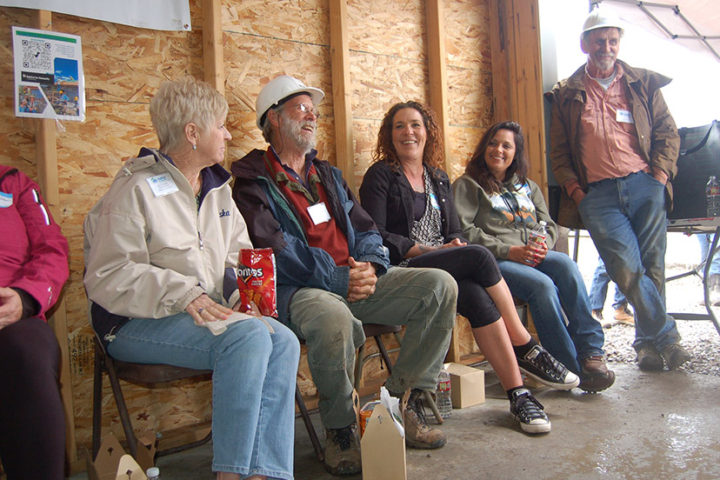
(179, 102)
(267, 129)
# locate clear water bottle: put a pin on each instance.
(153, 473)
(712, 197)
(443, 400)
(539, 233)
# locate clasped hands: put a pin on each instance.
(531, 254)
(362, 280)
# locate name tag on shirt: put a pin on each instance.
(433, 202)
(162, 185)
(624, 116)
(6, 200)
(319, 213)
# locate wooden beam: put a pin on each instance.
(517, 76)
(213, 44)
(341, 90)
(437, 60)
(46, 159)
(501, 38)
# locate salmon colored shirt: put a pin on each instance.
(609, 145)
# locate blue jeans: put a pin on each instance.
(627, 221)
(555, 290)
(705, 240)
(599, 288)
(253, 379)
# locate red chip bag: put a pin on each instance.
(256, 280)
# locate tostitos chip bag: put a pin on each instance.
(256, 280)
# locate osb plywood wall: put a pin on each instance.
(124, 66)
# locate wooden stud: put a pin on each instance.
(437, 69)
(517, 77)
(341, 90)
(46, 159)
(213, 45)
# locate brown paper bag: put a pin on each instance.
(382, 448)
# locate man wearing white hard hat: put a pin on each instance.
(334, 273)
(613, 148)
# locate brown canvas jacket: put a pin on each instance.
(657, 134)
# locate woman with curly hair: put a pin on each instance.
(498, 205)
(409, 197)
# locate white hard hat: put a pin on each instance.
(599, 18)
(278, 89)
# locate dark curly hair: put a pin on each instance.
(434, 153)
(478, 170)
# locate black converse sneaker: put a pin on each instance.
(529, 412)
(539, 365)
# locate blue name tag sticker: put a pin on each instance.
(433, 202)
(6, 200)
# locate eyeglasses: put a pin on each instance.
(305, 108)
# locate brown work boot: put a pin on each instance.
(648, 358)
(595, 376)
(674, 355)
(418, 434)
(625, 316)
(342, 450)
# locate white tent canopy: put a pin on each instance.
(694, 24)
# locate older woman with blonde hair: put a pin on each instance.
(409, 198)
(161, 252)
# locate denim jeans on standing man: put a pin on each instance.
(599, 288)
(555, 290)
(253, 397)
(627, 221)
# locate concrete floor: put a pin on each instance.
(647, 426)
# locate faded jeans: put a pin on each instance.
(599, 288)
(627, 221)
(254, 372)
(555, 290)
(422, 299)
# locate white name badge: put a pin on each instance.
(433, 202)
(624, 116)
(319, 213)
(5, 200)
(162, 185)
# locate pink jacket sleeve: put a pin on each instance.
(44, 270)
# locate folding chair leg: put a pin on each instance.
(97, 403)
(384, 353)
(431, 403)
(122, 408)
(308, 425)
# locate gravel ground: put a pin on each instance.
(700, 338)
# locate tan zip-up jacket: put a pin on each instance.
(148, 255)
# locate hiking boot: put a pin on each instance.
(539, 365)
(342, 450)
(649, 360)
(624, 315)
(595, 375)
(674, 355)
(418, 434)
(529, 412)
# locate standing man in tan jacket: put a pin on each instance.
(614, 146)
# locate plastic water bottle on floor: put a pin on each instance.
(153, 473)
(443, 400)
(712, 197)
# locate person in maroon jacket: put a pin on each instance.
(33, 269)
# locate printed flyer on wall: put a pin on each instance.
(49, 79)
